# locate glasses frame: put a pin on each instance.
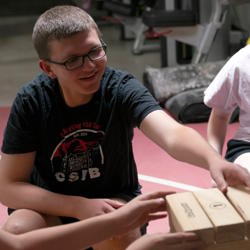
(103, 46)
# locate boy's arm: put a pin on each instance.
(17, 192)
(217, 128)
(181, 142)
(9, 241)
(185, 144)
(80, 235)
(169, 241)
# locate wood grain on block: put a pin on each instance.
(186, 215)
(240, 198)
(228, 223)
(231, 245)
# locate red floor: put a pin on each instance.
(154, 162)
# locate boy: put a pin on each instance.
(67, 148)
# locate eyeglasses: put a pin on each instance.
(75, 62)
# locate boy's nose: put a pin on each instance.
(88, 62)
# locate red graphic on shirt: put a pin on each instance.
(78, 156)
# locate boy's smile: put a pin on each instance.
(77, 85)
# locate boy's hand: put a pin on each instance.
(93, 207)
(229, 174)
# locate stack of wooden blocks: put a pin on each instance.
(222, 221)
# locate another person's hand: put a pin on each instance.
(169, 241)
(229, 174)
(142, 209)
(87, 208)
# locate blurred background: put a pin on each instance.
(138, 33)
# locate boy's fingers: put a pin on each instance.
(157, 216)
(154, 205)
(154, 195)
(220, 182)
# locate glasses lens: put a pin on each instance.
(93, 55)
(97, 53)
(74, 62)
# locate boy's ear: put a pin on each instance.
(45, 67)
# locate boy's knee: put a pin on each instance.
(24, 220)
(14, 227)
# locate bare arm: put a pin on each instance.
(16, 192)
(217, 128)
(185, 144)
(181, 142)
(169, 241)
(8, 241)
(83, 234)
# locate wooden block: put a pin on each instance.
(227, 222)
(231, 245)
(186, 215)
(240, 198)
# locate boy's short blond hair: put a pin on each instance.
(60, 22)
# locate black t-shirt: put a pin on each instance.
(85, 150)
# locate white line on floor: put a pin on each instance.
(168, 183)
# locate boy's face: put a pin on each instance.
(77, 85)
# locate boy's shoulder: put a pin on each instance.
(39, 93)
(41, 83)
(113, 76)
(243, 53)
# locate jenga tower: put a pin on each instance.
(223, 222)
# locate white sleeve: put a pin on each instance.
(223, 92)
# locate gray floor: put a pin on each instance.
(18, 60)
